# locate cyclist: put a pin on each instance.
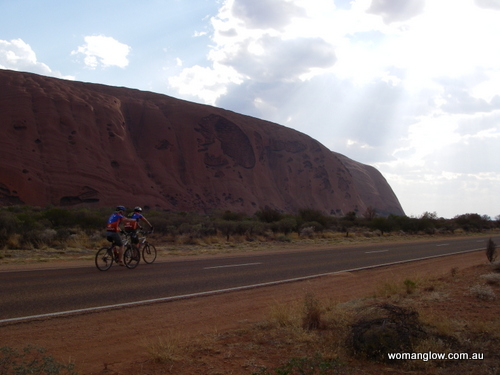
(133, 225)
(113, 230)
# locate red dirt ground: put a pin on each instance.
(112, 342)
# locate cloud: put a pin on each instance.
(488, 4)
(103, 51)
(396, 11)
(264, 14)
(18, 55)
(271, 59)
(204, 83)
(251, 46)
(460, 101)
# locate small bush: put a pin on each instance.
(307, 366)
(491, 251)
(492, 278)
(286, 225)
(385, 329)
(269, 215)
(165, 350)
(495, 266)
(410, 286)
(283, 238)
(307, 232)
(312, 313)
(283, 315)
(31, 361)
(483, 292)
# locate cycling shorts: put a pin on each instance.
(115, 238)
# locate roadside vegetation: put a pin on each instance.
(31, 360)
(453, 314)
(25, 227)
(444, 325)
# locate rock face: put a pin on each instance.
(71, 143)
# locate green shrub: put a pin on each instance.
(31, 361)
(269, 215)
(410, 286)
(317, 365)
(285, 225)
(309, 215)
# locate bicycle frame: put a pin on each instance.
(107, 255)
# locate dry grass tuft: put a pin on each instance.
(483, 292)
(283, 315)
(495, 266)
(311, 318)
(165, 349)
(492, 278)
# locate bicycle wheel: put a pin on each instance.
(149, 253)
(131, 257)
(103, 259)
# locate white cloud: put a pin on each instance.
(253, 44)
(393, 11)
(265, 14)
(488, 4)
(18, 55)
(103, 51)
(204, 83)
(272, 59)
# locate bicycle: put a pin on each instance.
(105, 256)
(148, 250)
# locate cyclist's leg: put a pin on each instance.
(117, 241)
(120, 255)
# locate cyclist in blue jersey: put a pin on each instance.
(113, 230)
(132, 227)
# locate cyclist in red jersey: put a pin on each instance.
(133, 226)
(113, 230)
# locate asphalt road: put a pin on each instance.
(29, 294)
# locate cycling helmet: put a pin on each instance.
(120, 208)
(138, 209)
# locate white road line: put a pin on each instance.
(232, 265)
(212, 292)
(377, 251)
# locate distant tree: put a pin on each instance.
(370, 213)
(269, 215)
(232, 216)
(471, 222)
(285, 225)
(226, 227)
(427, 222)
(384, 225)
(348, 222)
(312, 215)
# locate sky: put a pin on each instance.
(410, 87)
